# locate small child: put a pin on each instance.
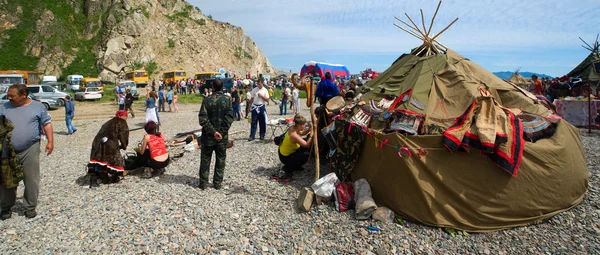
(121, 101)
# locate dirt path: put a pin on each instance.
(95, 110)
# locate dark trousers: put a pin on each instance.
(161, 105)
(259, 117)
(146, 161)
(205, 157)
(294, 161)
(129, 109)
(236, 111)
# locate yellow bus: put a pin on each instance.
(140, 77)
(88, 82)
(175, 75)
(206, 75)
(31, 77)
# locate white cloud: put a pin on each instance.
(353, 26)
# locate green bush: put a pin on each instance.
(247, 55)
(136, 65)
(201, 22)
(146, 13)
(151, 68)
(183, 14)
(171, 43)
(209, 16)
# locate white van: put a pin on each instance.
(74, 82)
(10, 79)
(48, 79)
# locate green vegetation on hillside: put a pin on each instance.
(65, 32)
(239, 53)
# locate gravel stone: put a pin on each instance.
(251, 214)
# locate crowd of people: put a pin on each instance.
(24, 122)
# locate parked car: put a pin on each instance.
(60, 86)
(89, 93)
(47, 93)
(49, 105)
(131, 85)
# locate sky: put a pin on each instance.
(539, 36)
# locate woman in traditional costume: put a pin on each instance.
(106, 161)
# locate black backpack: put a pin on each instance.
(279, 139)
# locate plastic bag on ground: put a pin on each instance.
(190, 146)
(384, 215)
(365, 205)
(344, 196)
(325, 186)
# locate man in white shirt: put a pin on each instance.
(296, 100)
(182, 86)
(259, 97)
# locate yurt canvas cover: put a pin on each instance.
(588, 70)
(464, 190)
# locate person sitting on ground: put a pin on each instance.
(153, 154)
(293, 150)
(106, 161)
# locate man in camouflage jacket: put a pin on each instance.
(215, 117)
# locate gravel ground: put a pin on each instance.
(251, 215)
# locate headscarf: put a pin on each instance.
(121, 113)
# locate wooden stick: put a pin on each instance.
(589, 111)
(590, 49)
(409, 32)
(443, 30)
(408, 25)
(433, 19)
(423, 23)
(238, 132)
(424, 47)
(416, 50)
(585, 42)
(440, 44)
(411, 21)
(315, 140)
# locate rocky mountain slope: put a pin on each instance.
(109, 37)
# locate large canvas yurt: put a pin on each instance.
(444, 142)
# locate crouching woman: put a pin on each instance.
(153, 153)
(294, 150)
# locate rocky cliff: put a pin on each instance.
(109, 37)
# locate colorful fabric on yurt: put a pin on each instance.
(494, 130)
(536, 127)
(405, 121)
